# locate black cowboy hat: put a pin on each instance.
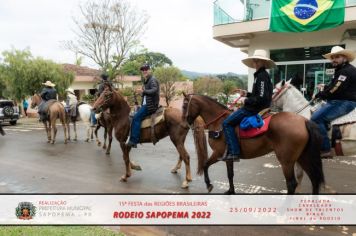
(145, 67)
(104, 75)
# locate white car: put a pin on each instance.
(9, 112)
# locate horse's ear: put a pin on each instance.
(283, 82)
(184, 94)
(288, 82)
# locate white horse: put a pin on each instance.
(289, 98)
(84, 111)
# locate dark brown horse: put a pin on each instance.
(55, 111)
(290, 136)
(173, 126)
(104, 121)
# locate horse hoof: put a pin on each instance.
(48, 141)
(107, 153)
(229, 192)
(87, 140)
(136, 167)
(99, 144)
(210, 187)
(123, 178)
(185, 185)
(52, 142)
(174, 171)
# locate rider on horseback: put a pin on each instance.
(150, 103)
(71, 103)
(340, 93)
(48, 93)
(259, 99)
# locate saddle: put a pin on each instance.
(251, 132)
(44, 110)
(152, 120)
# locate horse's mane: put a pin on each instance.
(213, 100)
(297, 94)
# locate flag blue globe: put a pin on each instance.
(304, 9)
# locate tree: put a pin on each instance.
(208, 85)
(135, 61)
(107, 32)
(23, 75)
(227, 89)
(167, 76)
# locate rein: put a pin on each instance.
(216, 119)
(280, 92)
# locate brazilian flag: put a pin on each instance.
(306, 15)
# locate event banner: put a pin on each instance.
(178, 209)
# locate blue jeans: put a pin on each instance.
(136, 124)
(92, 118)
(229, 125)
(329, 112)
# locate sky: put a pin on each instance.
(181, 29)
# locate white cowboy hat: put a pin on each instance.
(49, 84)
(259, 54)
(70, 90)
(337, 50)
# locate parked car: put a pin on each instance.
(9, 112)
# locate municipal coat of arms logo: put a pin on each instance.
(25, 211)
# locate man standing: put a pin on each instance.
(25, 106)
(150, 103)
(340, 94)
(71, 103)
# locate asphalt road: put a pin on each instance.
(29, 165)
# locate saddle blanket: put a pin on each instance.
(253, 132)
(348, 118)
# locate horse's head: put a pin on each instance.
(105, 100)
(35, 100)
(190, 110)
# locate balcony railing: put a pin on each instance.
(232, 11)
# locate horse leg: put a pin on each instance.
(212, 159)
(54, 129)
(48, 131)
(75, 131)
(68, 127)
(126, 157)
(288, 171)
(87, 124)
(96, 135)
(110, 140)
(105, 137)
(175, 169)
(298, 170)
(230, 175)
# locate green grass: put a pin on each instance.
(57, 231)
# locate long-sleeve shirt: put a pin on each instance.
(262, 91)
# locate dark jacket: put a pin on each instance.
(262, 90)
(48, 94)
(342, 86)
(151, 91)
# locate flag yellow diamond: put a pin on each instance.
(323, 5)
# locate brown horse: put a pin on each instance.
(172, 126)
(290, 136)
(104, 121)
(55, 111)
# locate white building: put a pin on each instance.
(244, 24)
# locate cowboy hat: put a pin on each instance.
(259, 54)
(49, 84)
(337, 50)
(70, 90)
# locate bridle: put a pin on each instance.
(207, 123)
(107, 95)
(280, 91)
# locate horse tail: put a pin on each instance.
(2, 132)
(312, 155)
(200, 144)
